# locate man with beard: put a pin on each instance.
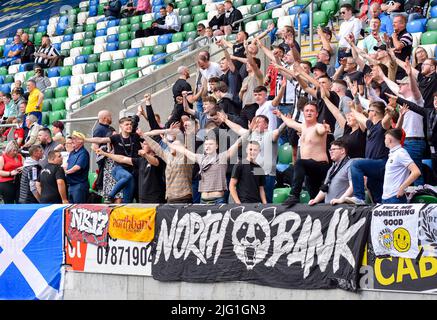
(47, 55)
(47, 143)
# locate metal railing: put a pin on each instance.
(299, 24)
(87, 119)
(168, 55)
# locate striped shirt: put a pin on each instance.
(213, 172)
(178, 172)
(50, 51)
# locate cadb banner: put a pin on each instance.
(299, 248)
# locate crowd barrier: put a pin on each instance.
(386, 247)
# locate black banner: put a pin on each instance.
(303, 247)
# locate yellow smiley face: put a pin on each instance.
(401, 240)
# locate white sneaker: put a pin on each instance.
(354, 200)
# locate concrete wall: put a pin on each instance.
(86, 286)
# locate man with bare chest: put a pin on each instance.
(313, 162)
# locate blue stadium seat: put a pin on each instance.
(132, 53)
(43, 23)
(42, 29)
(156, 15)
(101, 32)
(93, 11)
(9, 40)
(415, 26)
(22, 67)
(64, 81)
(57, 46)
(113, 23)
(2, 79)
(164, 39)
(81, 59)
(294, 9)
(433, 12)
(94, 2)
(88, 88)
(123, 2)
(155, 9)
(157, 3)
(112, 38)
(6, 49)
(113, 46)
(270, 4)
(304, 20)
(60, 28)
(5, 88)
(67, 37)
(53, 72)
(157, 56)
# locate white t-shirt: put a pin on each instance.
(268, 152)
(266, 110)
(413, 122)
(396, 171)
(352, 25)
(212, 71)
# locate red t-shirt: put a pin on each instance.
(18, 133)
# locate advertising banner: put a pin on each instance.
(428, 230)
(299, 248)
(133, 224)
(31, 252)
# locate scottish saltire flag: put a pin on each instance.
(31, 256)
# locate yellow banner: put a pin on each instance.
(134, 224)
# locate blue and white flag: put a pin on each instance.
(31, 251)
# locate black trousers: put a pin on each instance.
(152, 32)
(9, 191)
(315, 171)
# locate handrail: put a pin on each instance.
(9, 125)
(133, 96)
(310, 24)
(133, 72)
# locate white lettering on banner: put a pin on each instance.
(93, 222)
(251, 238)
(13, 252)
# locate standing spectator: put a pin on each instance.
(78, 165)
(402, 41)
(172, 24)
(181, 84)
(11, 165)
(313, 162)
(42, 82)
(266, 107)
(28, 50)
(350, 24)
(30, 175)
(225, 100)
(58, 132)
(400, 169)
(348, 72)
(52, 183)
(13, 53)
(375, 38)
(112, 10)
(246, 185)
(34, 101)
(46, 56)
(207, 68)
(32, 134)
(338, 182)
(376, 154)
(419, 57)
(231, 15)
(47, 143)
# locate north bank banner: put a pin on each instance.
(16, 14)
(299, 248)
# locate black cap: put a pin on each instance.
(381, 47)
(321, 66)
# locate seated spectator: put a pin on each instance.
(127, 10)
(172, 24)
(52, 183)
(11, 165)
(12, 108)
(400, 169)
(58, 132)
(160, 21)
(14, 53)
(143, 6)
(32, 134)
(18, 85)
(8, 103)
(112, 10)
(246, 186)
(3, 99)
(338, 182)
(218, 21)
(202, 31)
(232, 15)
(35, 100)
(29, 176)
(46, 56)
(42, 82)
(78, 165)
(26, 55)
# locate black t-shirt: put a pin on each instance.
(179, 86)
(248, 182)
(355, 141)
(150, 180)
(375, 146)
(324, 113)
(248, 113)
(128, 147)
(49, 187)
(238, 51)
(427, 87)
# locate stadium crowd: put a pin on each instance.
(363, 117)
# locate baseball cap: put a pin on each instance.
(403, 80)
(77, 134)
(381, 47)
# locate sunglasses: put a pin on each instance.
(342, 12)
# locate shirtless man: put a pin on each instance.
(313, 162)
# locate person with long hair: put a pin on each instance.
(11, 164)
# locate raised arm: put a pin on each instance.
(155, 147)
(325, 42)
(178, 147)
(288, 121)
(187, 108)
(227, 55)
(116, 157)
(401, 63)
(232, 125)
(98, 140)
(267, 51)
(334, 110)
(277, 99)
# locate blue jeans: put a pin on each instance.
(200, 106)
(78, 193)
(395, 199)
(196, 193)
(125, 182)
(416, 150)
(220, 200)
(374, 171)
(268, 188)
